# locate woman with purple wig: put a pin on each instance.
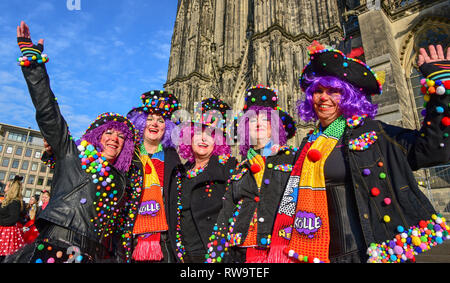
(196, 194)
(144, 223)
(352, 196)
(242, 233)
(90, 174)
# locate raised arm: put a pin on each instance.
(48, 116)
(430, 146)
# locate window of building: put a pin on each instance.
(19, 150)
(15, 163)
(17, 137)
(27, 193)
(37, 154)
(49, 182)
(34, 166)
(28, 152)
(31, 179)
(5, 162)
(40, 181)
(1, 147)
(36, 141)
(2, 175)
(9, 149)
(11, 176)
(43, 168)
(25, 164)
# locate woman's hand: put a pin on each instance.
(30, 51)
(48, 148)
(24, 31)
(436, 55)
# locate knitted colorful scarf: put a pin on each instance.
(301, 230)
(257, 167)
(151, 219)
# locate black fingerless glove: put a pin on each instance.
(436, 70)
(31, 52)
(436, 90)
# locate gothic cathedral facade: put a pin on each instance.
(222, 47)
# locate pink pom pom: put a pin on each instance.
(423, 81)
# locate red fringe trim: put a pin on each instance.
(278, 255)
(255, 255)
(148, 248)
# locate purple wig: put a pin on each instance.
(243, 129)
(185, 142)
(352, 102)
(123, 161)
(139, 119)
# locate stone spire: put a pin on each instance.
(222, 47)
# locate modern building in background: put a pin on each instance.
(20, 154)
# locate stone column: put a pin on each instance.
(381, 55)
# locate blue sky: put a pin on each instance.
(102, 57)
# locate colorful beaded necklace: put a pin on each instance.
(192, 173)
(93, 162)
(181, 251)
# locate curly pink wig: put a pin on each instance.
(185, 142)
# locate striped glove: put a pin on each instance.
(30, 52)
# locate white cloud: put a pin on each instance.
(9, 77)
(14, 94)
(159, 44)
(78, 123)
(161, 50)
(16, 106)
(118, 43)
(156, 80)
(43, 7)
(9, 48)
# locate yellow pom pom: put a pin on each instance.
(416, 241)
